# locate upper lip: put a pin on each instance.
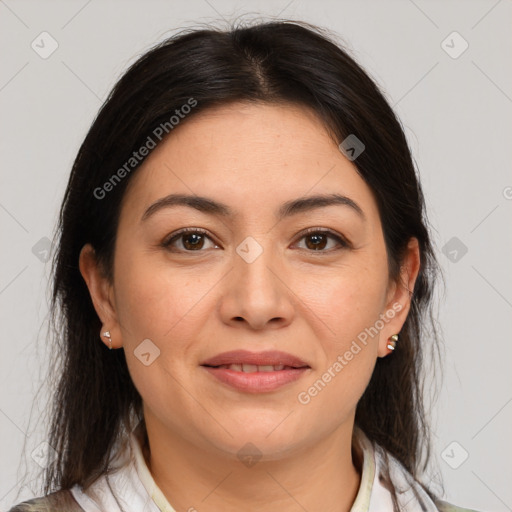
(267, 358)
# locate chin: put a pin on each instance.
(272, 440)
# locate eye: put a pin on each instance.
(196, 239)
(318, 239)
(189, 240)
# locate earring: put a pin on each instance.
(106, 334)
(392, 341)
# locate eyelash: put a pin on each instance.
(344, 244)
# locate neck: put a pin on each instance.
(324, 477)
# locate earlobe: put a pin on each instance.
(100, 290)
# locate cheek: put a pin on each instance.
(152, 301)
(349, 306)
(348, 300)
(164, 306)
(168, 306)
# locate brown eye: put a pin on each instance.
(318, 240)
(192, 241)
(189, 240)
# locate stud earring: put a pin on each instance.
(106, 334)
(392, 341)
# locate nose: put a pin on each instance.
(256, 294)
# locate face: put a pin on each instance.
(260, 270)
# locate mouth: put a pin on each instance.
(255, 372)
(250, 360)
(252, 368)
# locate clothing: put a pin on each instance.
(129, 486)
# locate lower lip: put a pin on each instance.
(256, 382)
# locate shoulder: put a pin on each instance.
(444, 506)
(58, 501)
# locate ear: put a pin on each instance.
(102, 294)
(399, 296)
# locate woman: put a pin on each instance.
(243, 279)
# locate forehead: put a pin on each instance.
(249, 156)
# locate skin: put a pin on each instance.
(193, 305)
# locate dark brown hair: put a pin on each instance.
(274, 62)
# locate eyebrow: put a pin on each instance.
(287, 209)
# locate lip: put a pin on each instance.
(256, 382)
(269, 357)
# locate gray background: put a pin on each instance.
(457, 117)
